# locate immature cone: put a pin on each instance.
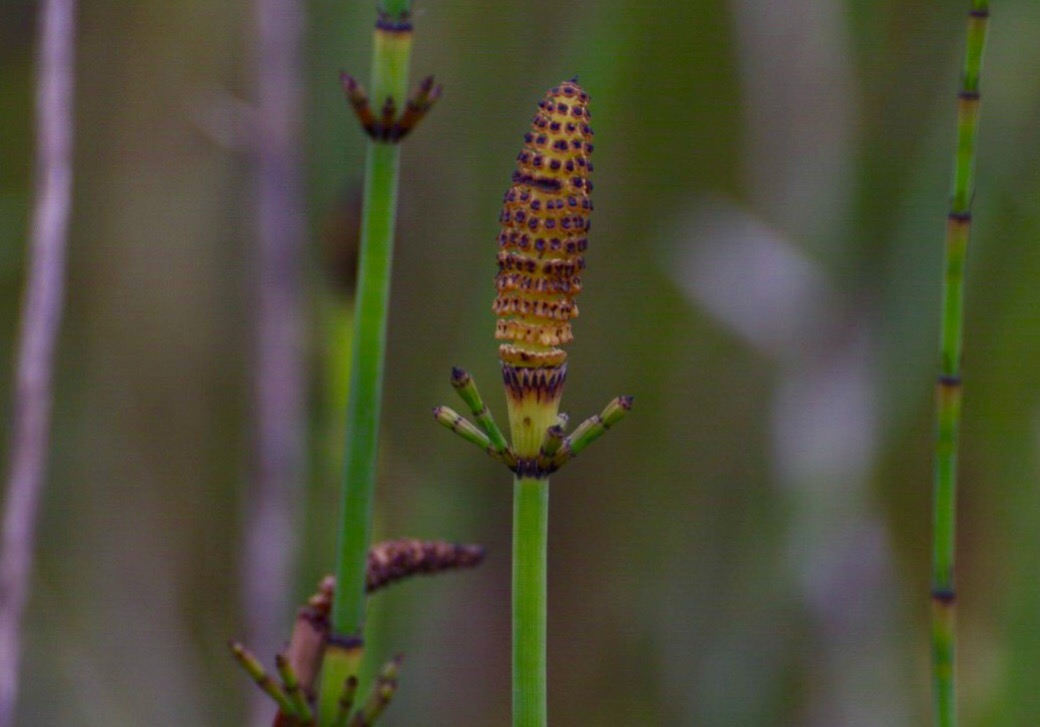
(545, 219)
(545, 222)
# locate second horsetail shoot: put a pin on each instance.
(541, 256)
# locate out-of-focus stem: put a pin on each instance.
(39, 326)
(958, 228)
(273, 502)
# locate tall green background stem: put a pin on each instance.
(949, 387)
(391, 52)
(530, 545)
(366, 384)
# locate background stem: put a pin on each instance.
(40, 323)
(273, 502)
(389, 79)
(366, 384)
(958, 229)
(390, 55)
(530, 541)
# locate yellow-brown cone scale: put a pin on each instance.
(545, 223)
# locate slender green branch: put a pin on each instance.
(346, 702)
(451, 419)
(379, 699)
(292, 690)
(467, 388)
(448, 417)
(592, 429)
(530, 547)
(958, 229)
(554, 437)
(267, 684)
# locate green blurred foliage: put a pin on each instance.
(723, 558)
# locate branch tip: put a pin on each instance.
(459, 377)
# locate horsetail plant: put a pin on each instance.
(948, 396)
(543, 237)
(328, 638)
(391, 52)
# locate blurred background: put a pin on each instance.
(750, 547)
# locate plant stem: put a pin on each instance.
(368, 352)
(530, 545)
(944, 595)
(272, 506)
(39, 326)
(366, 385)
(390, 55)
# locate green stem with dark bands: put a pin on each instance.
(530, 545)
(958, 229)
(391, 53)
(368, 352)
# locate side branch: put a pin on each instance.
(382, 692)
(467, 389)
(346, 702)
(451, 419)
(592, 429)
(390, 127)
(265, 681)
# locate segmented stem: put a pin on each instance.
(467, 389)
(543, 238)
(346, 702)
(530, 547)
(391, 53)
(265, 681)
(451, 419)
(591, 429)
(291, 684)
(958, 228)
(379, 699)
(369, 348)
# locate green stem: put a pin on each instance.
(944, 633)
(364, 404)
(391, 52)
(530, 541)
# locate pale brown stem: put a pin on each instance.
(39, 326)
(274, 498)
